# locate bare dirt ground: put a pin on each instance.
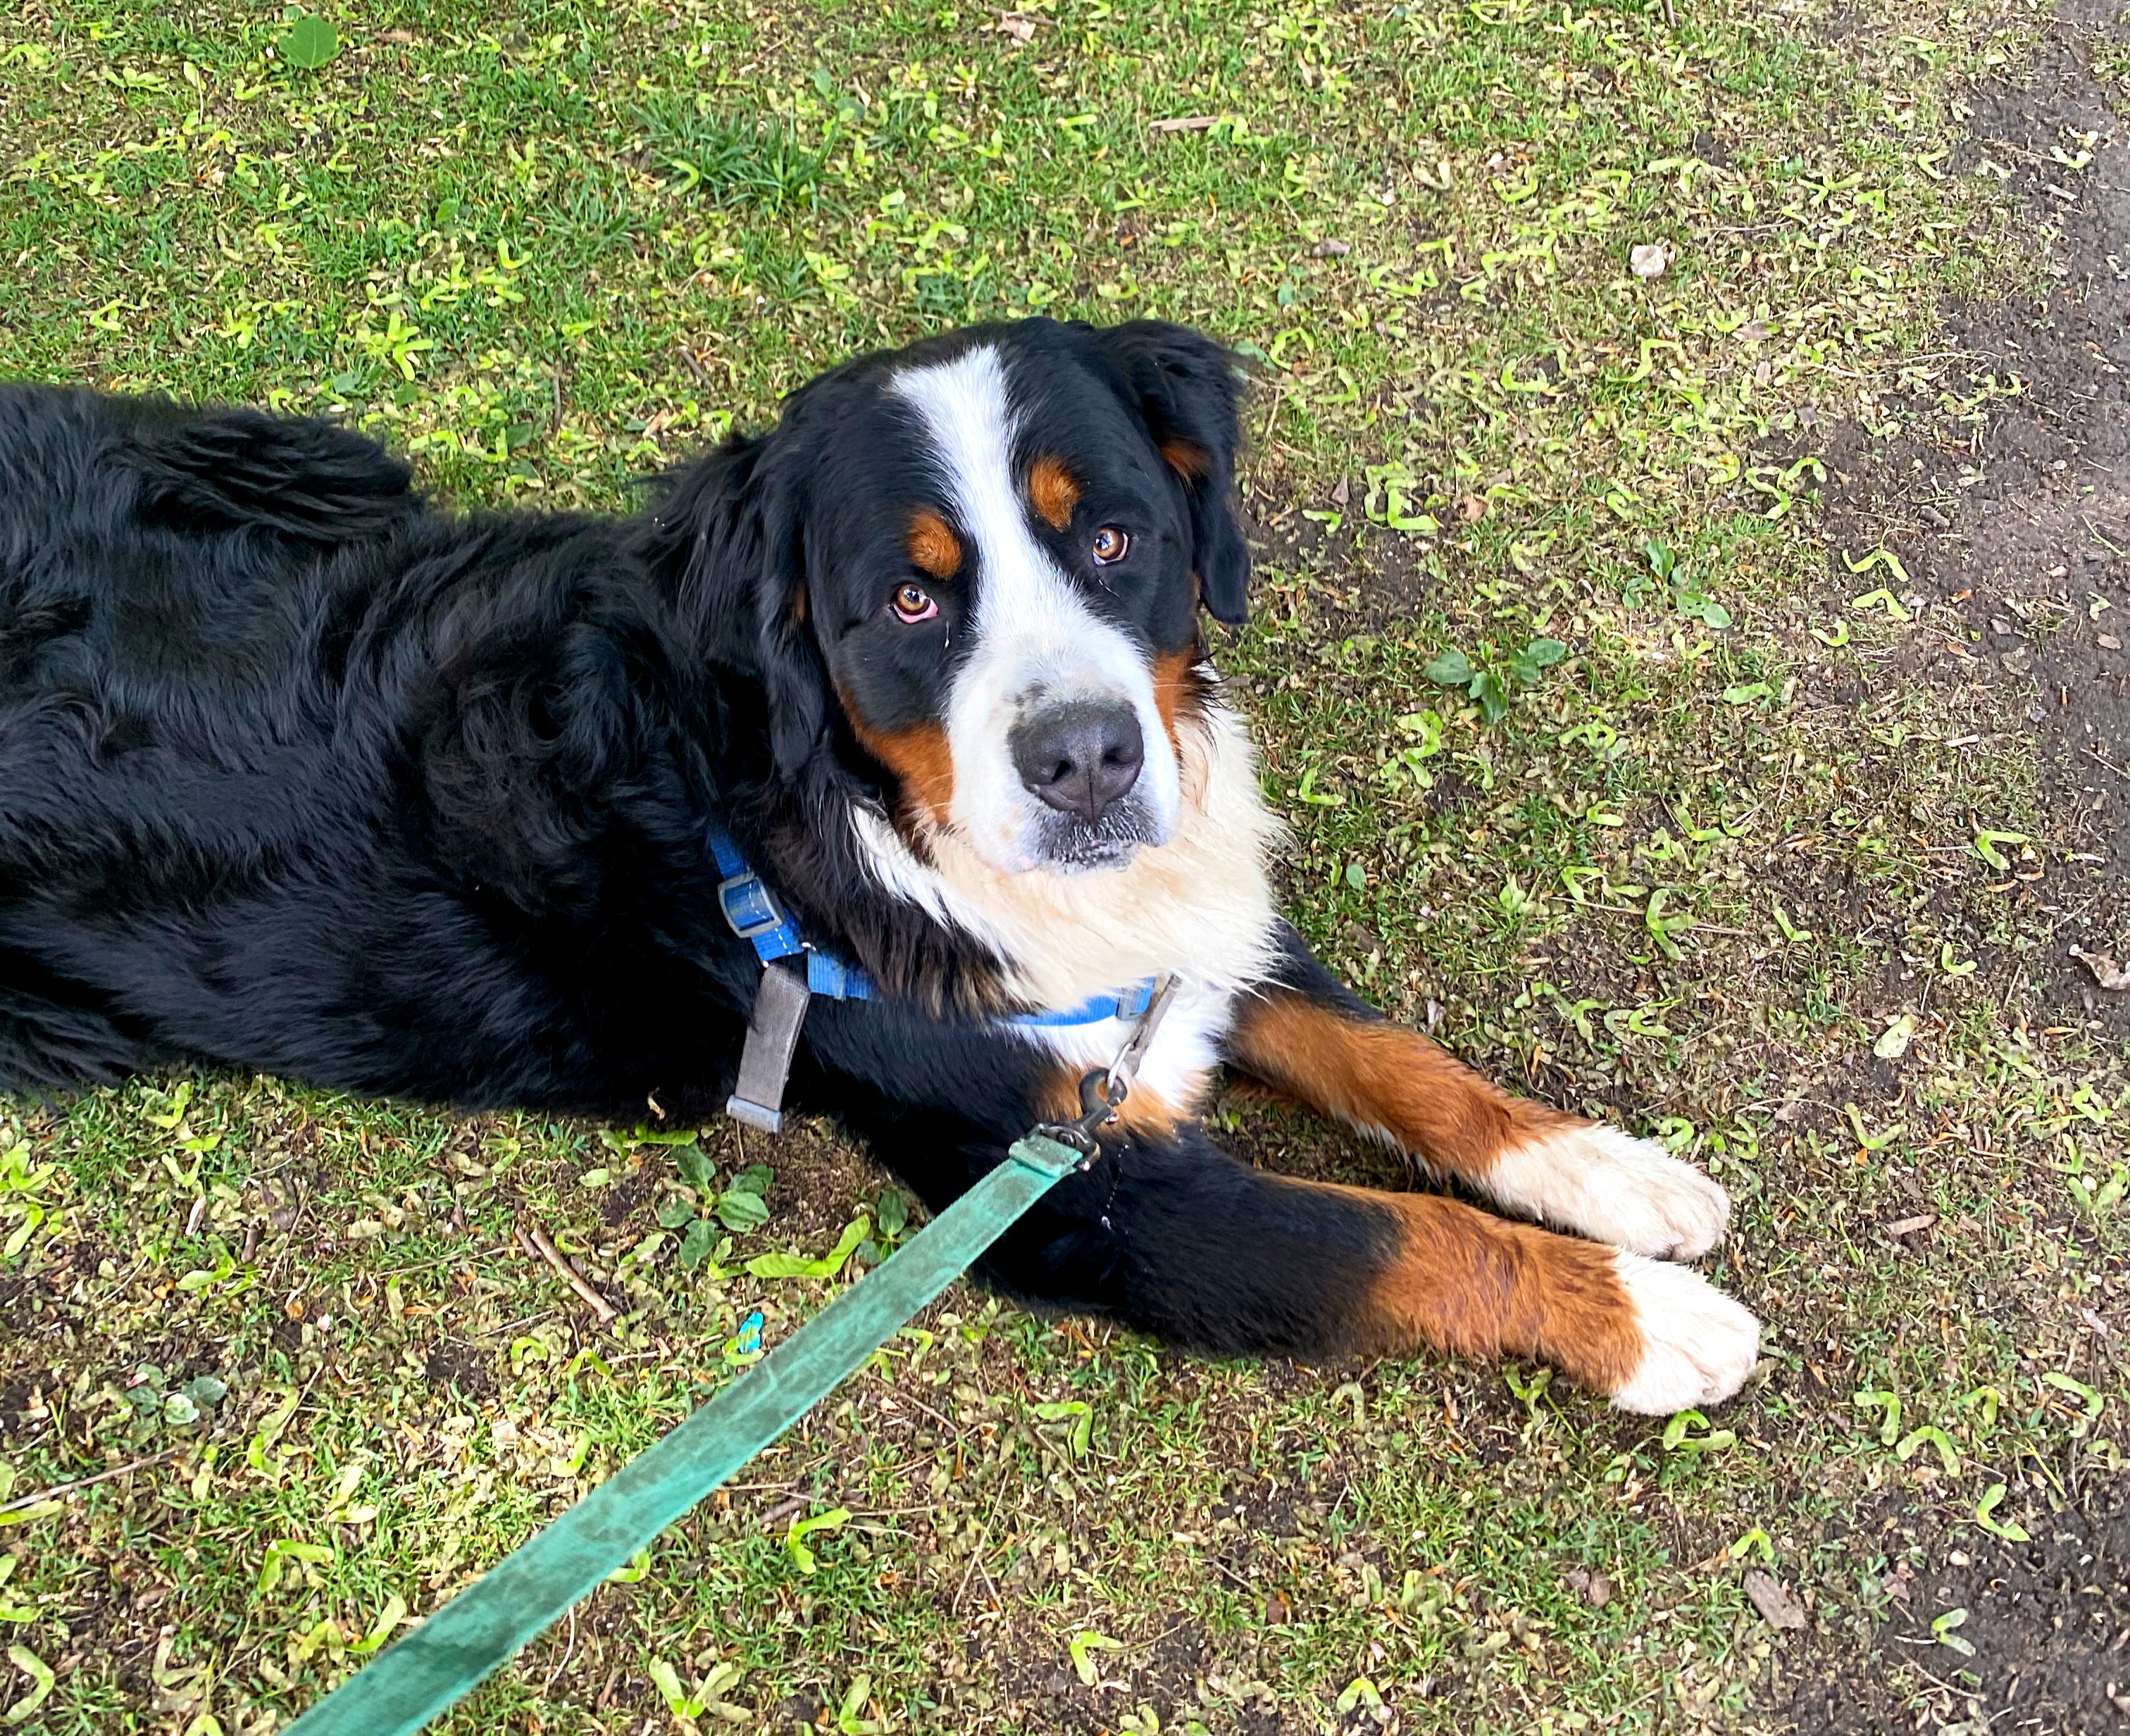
(2029, 533)
(2029, 530)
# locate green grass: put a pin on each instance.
(547, 248)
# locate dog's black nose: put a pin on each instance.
(1082, 756)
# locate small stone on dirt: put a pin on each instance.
(1648, 260)
(2107, 641)
(1331, 249)
(1597, 1589)
(1776, 1606)
(1278, 1612)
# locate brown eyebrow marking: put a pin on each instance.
(1053, 490)
(933, 545)
(1191, 462)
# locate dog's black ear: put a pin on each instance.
(794, 680)
(733, 525)
(1188, 391)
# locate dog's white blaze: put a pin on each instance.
(1034, 637)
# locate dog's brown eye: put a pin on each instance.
(913, 603)
(1110, 544)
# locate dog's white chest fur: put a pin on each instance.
(1199, 906)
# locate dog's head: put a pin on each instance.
(982, 559)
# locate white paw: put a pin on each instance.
(1698, 1344)
(1612, 1187)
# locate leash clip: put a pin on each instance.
(1100, 1094)
(1104, 1089)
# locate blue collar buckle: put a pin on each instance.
(751, 909)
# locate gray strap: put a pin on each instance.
(772, 1035)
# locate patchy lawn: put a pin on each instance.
(1699, 696)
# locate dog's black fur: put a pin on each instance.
(299, 774)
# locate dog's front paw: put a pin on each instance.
(1698, 1346)
(1610, 1186)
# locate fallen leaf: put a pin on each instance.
(1013, 25)
(1909, 1226)
(1941, 1632)
(1184, 123)
(1471, 509)
(1775, 1605)
(1083, 1649)
(1278, 1612)
(2105, 971)
(1893, 1042)
(1331, 249)
(311, 42)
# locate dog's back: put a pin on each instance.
(166, 593)
(144, 548)
(298, 775)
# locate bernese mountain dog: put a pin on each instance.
(301, 775)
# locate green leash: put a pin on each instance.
(492, 1620)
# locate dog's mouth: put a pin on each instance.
(1066, 844)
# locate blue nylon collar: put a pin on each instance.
(753, 913)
